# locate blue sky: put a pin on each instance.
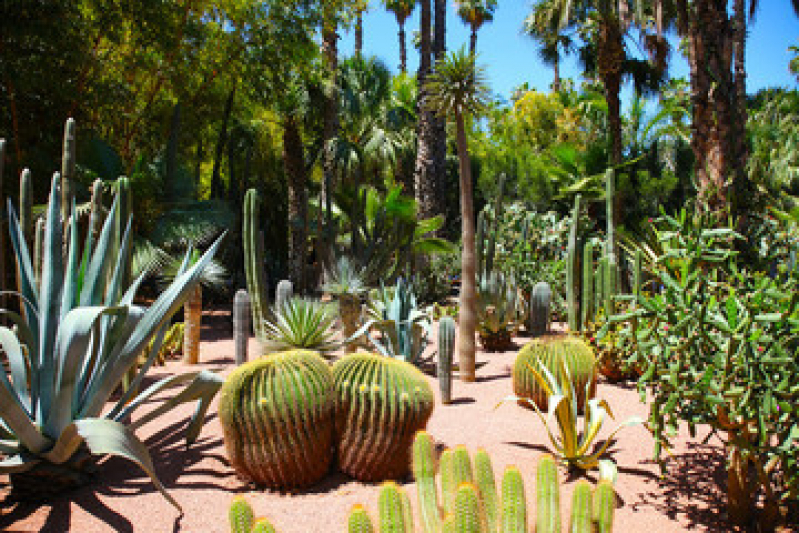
(511, 59)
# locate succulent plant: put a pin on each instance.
(242, 518)
(347, 282)
(573, 270)
(301, 323)
(242, 319)
(497, 311)
(54, 407)
(540, 301)
(253, 244)
(550, 350)
(380, 404)
(469, 502)
(277, 417)
(446, 348)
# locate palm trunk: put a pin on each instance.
(294, 163)
(473, 40)
(556, 76)
(330, 114)
(468, 297)
(403, 52)
(439, 169)
(359, 34)
(424, 184)
(742, 195)
(192, 318)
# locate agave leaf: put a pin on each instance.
(133, 387)
(27, 280)
(68, 295)
(115, 287)
(104, 436)
(203, 386)
(592, 460)
(24, 332)
(18, 420)
(18, 366)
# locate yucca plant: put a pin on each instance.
(498, 311)
(403, 328)
(572, 445)
(76, 339)
(301, 323)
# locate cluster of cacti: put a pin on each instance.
(446, 348)
(242, 518)
(253, 262)
(277, 417)
(551, 350)
(380, 404)
(468, 501)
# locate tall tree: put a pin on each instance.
(438, 171)
(458, 89)
(360, 7)
(543, 24)
(475, 13)
(423, 179)
(402, 9)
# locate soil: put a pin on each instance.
(688, 497)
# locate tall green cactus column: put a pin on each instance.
(446, 347)
(573, 270)
(612, 266)
(68, 168)
(588, 283)
(253, 262)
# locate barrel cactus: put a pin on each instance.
(579, 358)
(277, 416)
(380, 404)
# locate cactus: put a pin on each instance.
(38, 250)
(612, 266)
(637, 273)
(540, 300)
(380, 404)
(277, 417)
(26, 205)
(253, 262)
(3, 233)
(579, 359)
(95, 215)
(359, 521)
(469, 509)
(241, 325)
(582, 510)
(241, 515)
(599, 284)
(604, 506)
(263, 526)
(125, 203)
(283, 291)
(573, 270)
(547, 492)
(446, 347)
(588, 284)
(456, 468)
(68, 169)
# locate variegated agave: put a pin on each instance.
(77, 336)
(302, 323)
(403, 328)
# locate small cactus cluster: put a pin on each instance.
(286, 415)
(381, 403)
(242, 518)
(468, 500)
(579, 359)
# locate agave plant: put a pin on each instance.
(403, 327)
(498, 311)
(301, 323)
(77, 337)
(572, 445)
(347, 282)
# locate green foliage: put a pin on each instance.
(380, 404)
(277, 417)
(716, 346)
(433, 284)
(457, 86)
(301, 323)
(54, 405)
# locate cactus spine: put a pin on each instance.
(253, 261)
(579, 359)
(588, 283)
(380, 404)
(573, 270)
(547, 493)
(241, 325)
(283, 291)
(446, 348)
(277, 417)
(540, 300)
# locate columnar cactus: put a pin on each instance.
(468, 510)
(68, 158)
(241, 325)
(380, 404)
(277, 417)
(96, 214)
(283, 291)
(579, 358)
(446, 347)
(604, 506)
(588, 283)
(26, 205)
(253, 262)
(573, 270)
(540, 300)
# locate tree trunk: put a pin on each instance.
(403, 51)
(473, 40)
(438, 205)
(359, 34)
(742, 195)
(192, 318)
(216, 179)
(556, 76)
(424, 184)
(610, 54)
(294, 163)
(330, 115)
(468, 297)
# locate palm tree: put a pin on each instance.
(543, 24)
(360, 7)
(475, 13)
(402, 9)
(458, 89)
(423, 179)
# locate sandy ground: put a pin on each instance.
(688, 498)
